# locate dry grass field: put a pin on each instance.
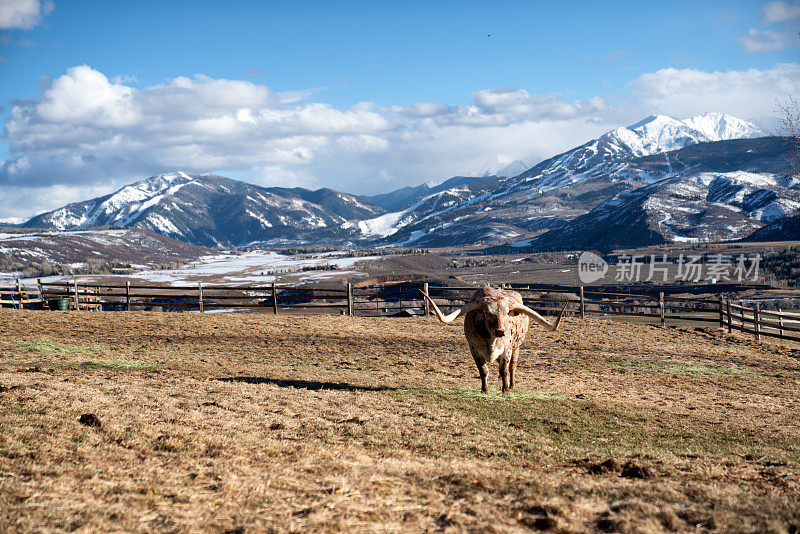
(240, 423)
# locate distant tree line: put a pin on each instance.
(170, 265)
(784, 266)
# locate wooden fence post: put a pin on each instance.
(349, 299)
(661, 308)
(583, 305)
(200, 295)
(41, 292)
(274, 300)
(757, 320)
(427, 305)
(19, 293)
(730, 317)
(77, 300)
(721, 315)
(780, 322)
(127, 295)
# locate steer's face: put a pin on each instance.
(496, 317)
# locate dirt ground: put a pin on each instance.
(169, 422)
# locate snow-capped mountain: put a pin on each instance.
(562, 187)
(660, 133)
(721, 127)
(654, 135)
(211, 210)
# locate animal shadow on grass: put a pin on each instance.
(312, 385)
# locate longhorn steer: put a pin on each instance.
(495, 324)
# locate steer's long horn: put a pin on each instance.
(469, 306)
(538, 318)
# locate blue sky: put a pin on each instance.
(359, 96)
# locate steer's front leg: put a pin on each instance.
(504, 371)
(483, 372)
(513, 366)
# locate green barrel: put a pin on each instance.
(58, 304)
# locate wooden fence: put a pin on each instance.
(200, 297)
(581, 302)
(394, 300)
(778, 324)
(391, 299)
(18, 295)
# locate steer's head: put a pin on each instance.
(494, 315)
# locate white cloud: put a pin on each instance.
(501, 107)
(85, 96)
(423, 109)
(363, 143)
(755, 41)
(24, 202)
(748, 94)
(23, 14)
(290, 97)
(499, 100)
(780, 11)
(88, 133)
(778, 38)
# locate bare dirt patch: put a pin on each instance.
(297, 423)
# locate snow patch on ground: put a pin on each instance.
(251, 267)
(243, 269)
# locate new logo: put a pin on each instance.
(591, 267)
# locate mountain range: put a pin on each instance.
(710, 177)
(213, 210)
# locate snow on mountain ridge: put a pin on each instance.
(657, 133)
(721, 127)
(652, 135)
(661, 133)
(145, 190)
